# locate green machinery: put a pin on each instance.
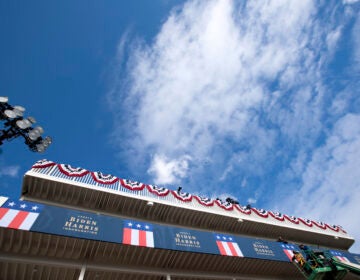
(318, 265)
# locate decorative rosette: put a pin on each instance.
(160, 191)
(132, 185)
(292, 219)
(243, 209)
(204, 200)
(43, 163)
(104, 178)
(224, 204)
(71, 171)
(183, 196)
(261, 212)
(319, 224)
(277, 215)
(306, 222)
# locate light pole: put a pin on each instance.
(16, 125)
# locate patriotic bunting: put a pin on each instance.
(104, 179)
(138, 234)
(277, 215)
(71, 171)
(243, 209)
(204, 200)
(101, 178)
(292, 219)
(132, 185)
(306, 222)
(261, 212)
(160, 191)
(224, 204)
(228, 246)
(186, 197)
(319, 224)
(333, 227)
(18, 214)
(43, 163)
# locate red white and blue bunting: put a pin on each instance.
(243, 209)
(101, 178)
(132, 185)
(306, 222)
(104, 178)
(183, 196)
(319, 224)
(160, 191)
(224, 204)
(261, 212)
(292, 219)
(71, 171)
(277, 215)
(204, 200)
(43, 163)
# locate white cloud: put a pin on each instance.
(239, 88)
(350, 1)
(331, 179)
(11, 171)
(167, 171)
(251, 200)
(206, 75)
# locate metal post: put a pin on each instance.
(82, 272)
(168, 277)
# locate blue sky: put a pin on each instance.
(257, 100)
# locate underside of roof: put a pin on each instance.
(29, 255)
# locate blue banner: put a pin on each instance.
(66, 222)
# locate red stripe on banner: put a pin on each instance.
(127, 236)
(232, 249)
(221, 248)
(142, 238)
(289, 254)
(19, 218)
(3, 211)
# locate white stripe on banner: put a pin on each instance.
(29, 221)
(149, 239)
(2, 200)
(135, 237)
(8, 218)
(237, 249)
(227, 249)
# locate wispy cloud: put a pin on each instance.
(11, 171)
(235, 94)
(330, 182)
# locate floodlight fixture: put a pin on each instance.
(11, 114)
(4, 99)
(15, 125)
(35, 133)
(23, 124)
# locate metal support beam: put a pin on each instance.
(82, 272)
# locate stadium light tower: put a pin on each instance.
(15, 125)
